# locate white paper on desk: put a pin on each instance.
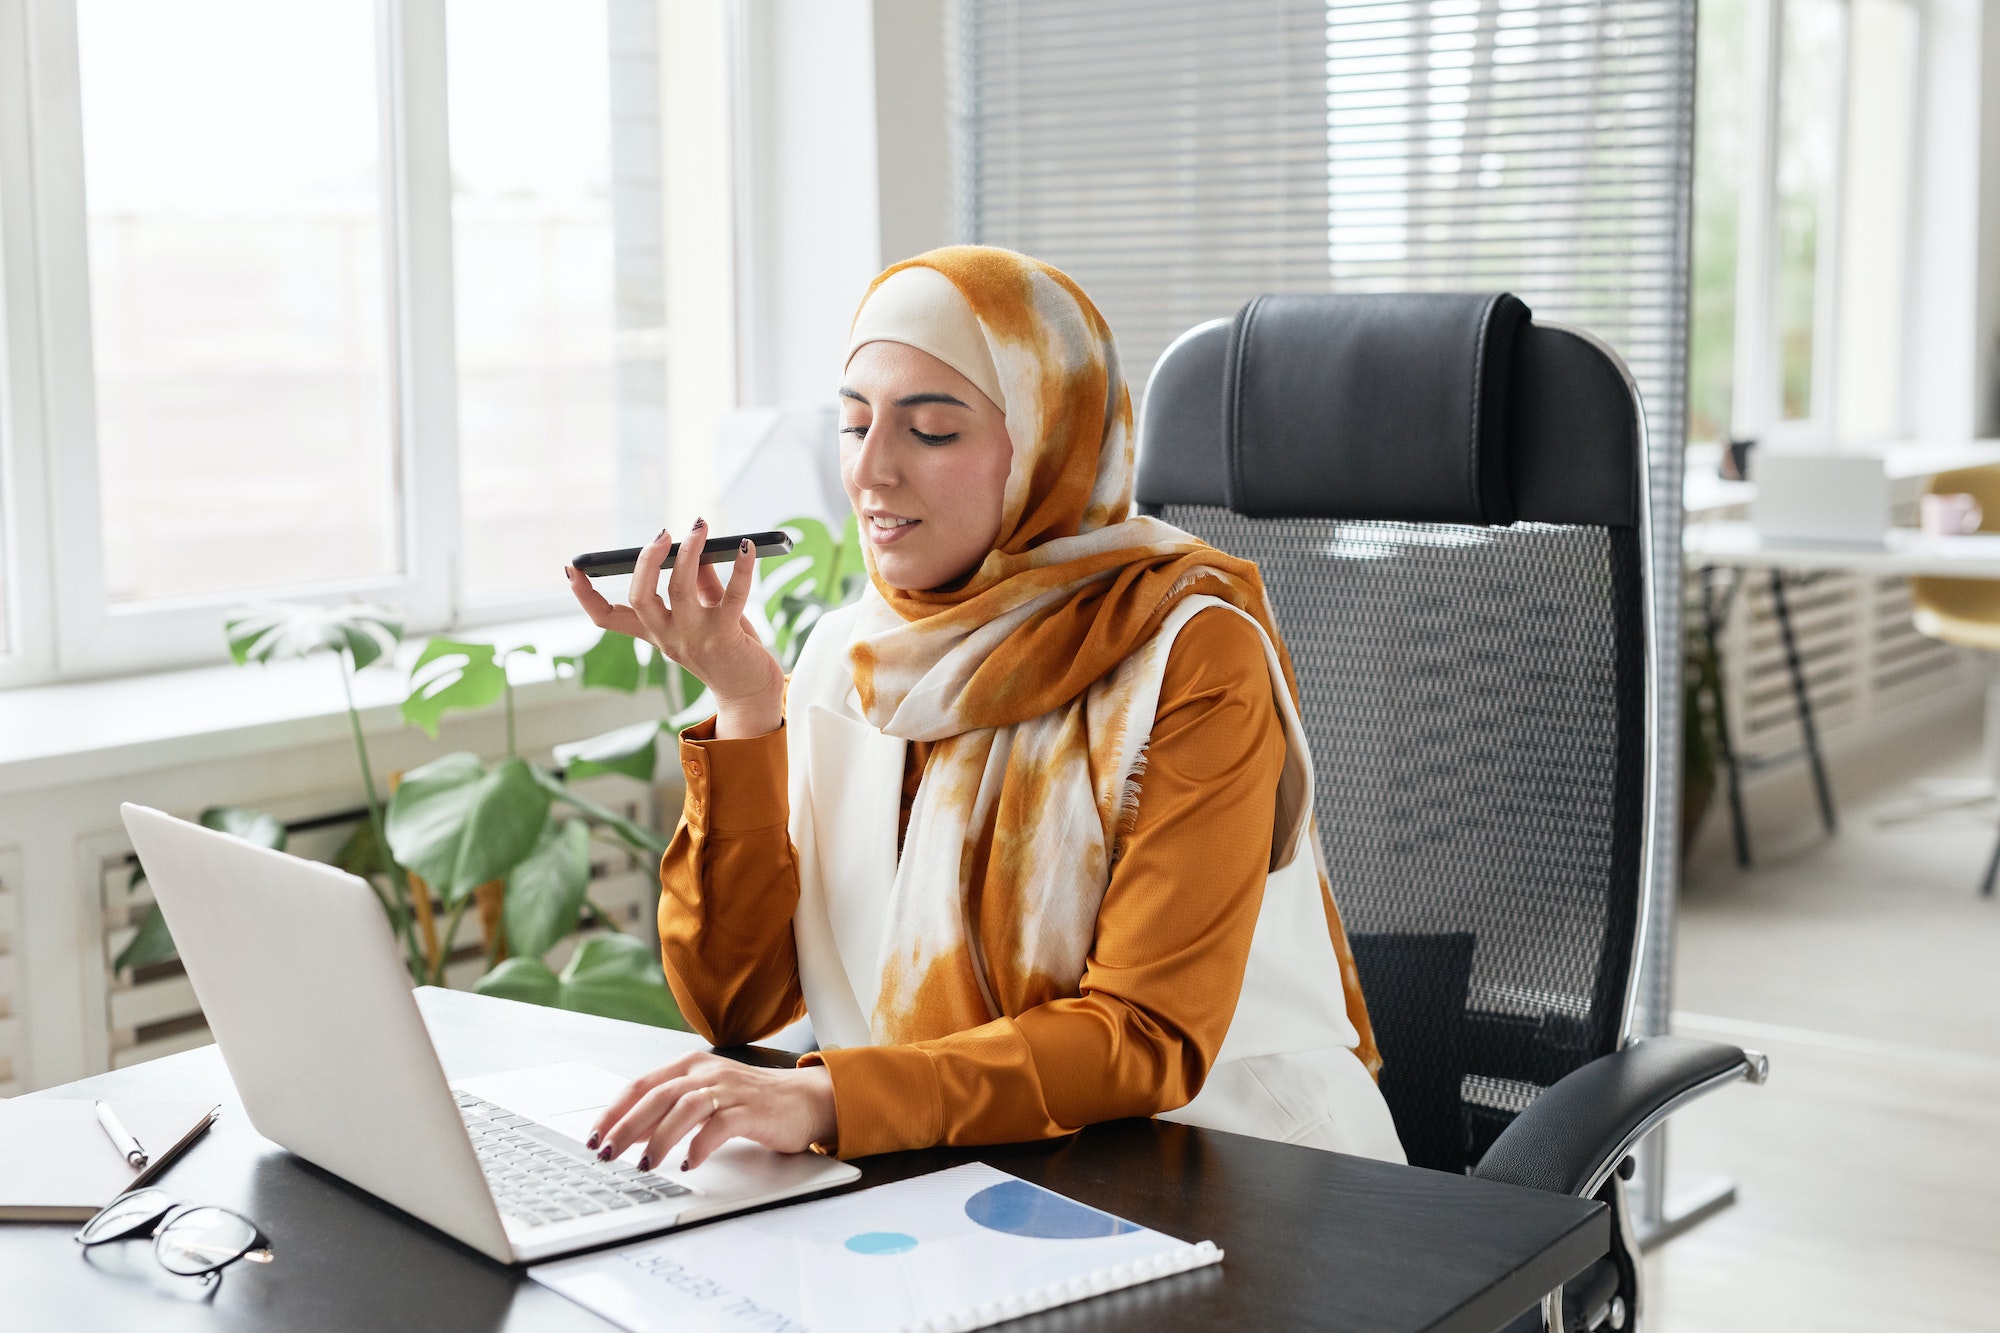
(957, 1249)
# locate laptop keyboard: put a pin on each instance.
(539, 1176)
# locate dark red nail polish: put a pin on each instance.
(645, 1164)
(700, 522)
(593, 1140)
(663, 532)
(606, 1153)
(745, 546)
(687, 1164)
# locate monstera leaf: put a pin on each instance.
(612, 663)
(449, 675)
(631, 750)
(275, 630)
(816, 577)
(615, 976)
(545, 892)
(154, 944)
(459, 824)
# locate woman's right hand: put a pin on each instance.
(700, 624)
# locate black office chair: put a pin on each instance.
(1447, 501)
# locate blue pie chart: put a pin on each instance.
(1021, 1209)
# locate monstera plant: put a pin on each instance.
(512, 838)
(520, 833)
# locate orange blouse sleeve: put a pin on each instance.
(1173, 936)
(728, 886)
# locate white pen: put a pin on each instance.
(121, 1137)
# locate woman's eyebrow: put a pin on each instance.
(846, 392)
(919, 399)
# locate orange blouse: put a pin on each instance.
(1162, 978)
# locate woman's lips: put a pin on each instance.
(894, 532)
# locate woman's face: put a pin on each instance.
(924, 456)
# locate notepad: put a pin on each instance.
(58, 1165)
(957, 1249)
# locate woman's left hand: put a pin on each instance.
(785, 1109)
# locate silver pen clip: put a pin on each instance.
(121, 1137)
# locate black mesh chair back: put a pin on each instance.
(1445, 500)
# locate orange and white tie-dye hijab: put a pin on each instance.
(1030, 675)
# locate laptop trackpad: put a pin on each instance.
(568, 1098)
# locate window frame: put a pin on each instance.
(61, 624)
(1756, 394)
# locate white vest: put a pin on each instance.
(1287, 1068)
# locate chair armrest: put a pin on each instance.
(1573, 1136)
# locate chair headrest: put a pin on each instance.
(1422, 408)
(1371, 406)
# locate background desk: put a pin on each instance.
(1723, 552)
(1314, 1239)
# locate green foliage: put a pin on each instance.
(449, 675)
(545, 891)
(632, 751)
(459, 824)
(362, 854)
(151, 946)
(154, 944)
(635, 836)
(616, 976)
(242, 822)
(612, 663)
(363, 631)
(815, 578)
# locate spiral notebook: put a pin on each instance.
(956, 1249)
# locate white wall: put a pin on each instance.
(808, 228)
(912, 128)
(845, 166)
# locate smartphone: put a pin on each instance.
(603, 564)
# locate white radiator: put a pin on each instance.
(1867, 668)
(13, 1059)
(154, 1013)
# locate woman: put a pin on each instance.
(1027, 832)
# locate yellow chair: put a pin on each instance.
(1967, 612)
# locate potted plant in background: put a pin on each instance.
(513, 838)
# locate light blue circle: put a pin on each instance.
(881, 1242)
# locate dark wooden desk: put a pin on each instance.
(1314, 1239)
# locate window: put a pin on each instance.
(1803, 175)
(560, 312)
(239, 295)
(321, 301)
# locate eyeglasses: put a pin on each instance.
(188, 1239)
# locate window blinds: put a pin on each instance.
(1180, 156)
(1170, 155)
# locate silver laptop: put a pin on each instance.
(331, 1058)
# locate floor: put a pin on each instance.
(1868, 969)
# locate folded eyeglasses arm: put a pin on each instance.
(1573, 1136)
